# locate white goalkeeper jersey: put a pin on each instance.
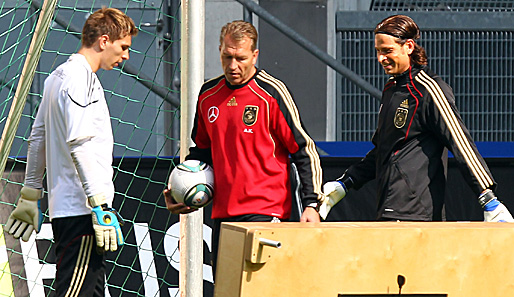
(73, 117)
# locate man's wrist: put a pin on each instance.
(492, 205)
(314, 205)
(486, 197)
(346, 181)
(29, 193)
(103, 207)
(98, 200)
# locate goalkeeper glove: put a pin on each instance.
(27, 216)
(334, 191)
(106, 223)
(494, 210)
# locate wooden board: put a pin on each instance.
(461, 259)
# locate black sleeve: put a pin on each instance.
(203, 155)
(444, 120)
(362, 171)
(306, 158)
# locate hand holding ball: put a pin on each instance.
(192, 183)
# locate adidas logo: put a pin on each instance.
(232, 102)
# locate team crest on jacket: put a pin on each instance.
(400, 118)
(250, 115)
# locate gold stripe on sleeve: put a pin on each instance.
(291, 107)
(456, 131)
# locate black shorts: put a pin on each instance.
(80, 269)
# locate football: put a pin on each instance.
(192, 183)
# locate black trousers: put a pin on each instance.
(80, 269)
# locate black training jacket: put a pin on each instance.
(417, 120)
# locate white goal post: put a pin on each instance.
(192, 78)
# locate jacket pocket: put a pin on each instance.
(402, 196)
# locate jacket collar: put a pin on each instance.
(235, 87)
(408, 75)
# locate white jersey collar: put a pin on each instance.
(82, 60)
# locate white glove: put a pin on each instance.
(495, 211)
(27, 216)
(106, 223)
(334, 191)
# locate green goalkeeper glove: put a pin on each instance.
(27, 216)
(106, 223)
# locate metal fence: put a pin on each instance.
(472, 51)
(446, 5)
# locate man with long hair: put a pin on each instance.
(418, 118)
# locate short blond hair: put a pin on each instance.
(239, 30)
(107, 21)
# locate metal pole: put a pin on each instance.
(175, 80)
(247, 15)
(192, 77)
(312, 48)
(171, 54)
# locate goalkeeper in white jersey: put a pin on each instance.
(72, 139)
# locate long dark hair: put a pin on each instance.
(403, 28)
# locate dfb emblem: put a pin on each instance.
(250, 115)
(400, 118)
